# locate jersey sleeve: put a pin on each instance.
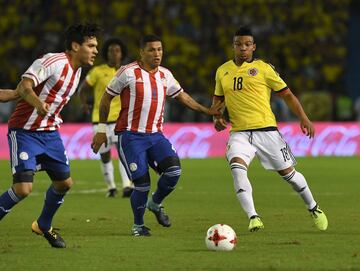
(118, 83)
(173, 86)
(91, 77)
(218, 87)
(274, 81)
(39, 72)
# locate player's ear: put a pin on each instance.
(254, 47)
(75, 46)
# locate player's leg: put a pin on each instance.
(107, 168)
(163, 156)
(23, 151)
(132, 152)
(240, 154)
(275, 154)
(126, 183)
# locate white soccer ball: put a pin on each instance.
(220, 237)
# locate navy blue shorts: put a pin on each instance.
(31, 150)
(139, 150)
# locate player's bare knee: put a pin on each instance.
(105, 157)
(23, 189)
(286, 171)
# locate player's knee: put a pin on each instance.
(23, 189)
(63, 186)
(142, 183)
(170, 164)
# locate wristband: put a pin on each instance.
(101, 128)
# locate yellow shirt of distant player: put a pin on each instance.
(98, 78)
(247, 90)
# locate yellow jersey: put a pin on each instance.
(247, 91)
(98, 78)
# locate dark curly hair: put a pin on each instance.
(111, 41)
(78, 32)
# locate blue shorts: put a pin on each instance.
(139, 150)
(32, 150)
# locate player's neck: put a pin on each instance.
(240, 61)
(114, 65)
(75, 64)
(147, 67)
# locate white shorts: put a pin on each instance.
(268, 146)
(111, 137)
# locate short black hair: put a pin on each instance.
(78, 32)
(148, 38)
(111, 41)
(244, 31)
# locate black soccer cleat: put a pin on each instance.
(111, 193)
(140, 231)
(127, 191)
(54, 239)
(162, 218)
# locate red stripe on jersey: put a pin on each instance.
(23, 111)
(122, 121)
(153, 105)
(123, 68)
(139, 98)
(61, 105)
(51, 96)
(160, 120)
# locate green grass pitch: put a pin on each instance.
(97, 229)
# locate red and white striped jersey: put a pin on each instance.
(143, 97)
(55, 82)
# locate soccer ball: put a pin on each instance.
(220, 237)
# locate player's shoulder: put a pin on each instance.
(51, 59)
(127, 68)
(226, 65)
(224, 68)
(164, 70)
(264, 64)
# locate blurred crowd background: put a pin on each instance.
(314, 45)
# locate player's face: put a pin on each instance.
(244, 48)
(151, 55)
(87, 51)
(114, 54)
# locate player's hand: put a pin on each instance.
(98, 140)
(220, 124)
(43, 109)
(307, 128)
(216, 108)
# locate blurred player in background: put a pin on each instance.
(34, 140)
(143, 86)
(114, 51)
(245, 85)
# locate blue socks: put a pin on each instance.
(166, 183)
(7, 200)
(138, 201)
(53, 200)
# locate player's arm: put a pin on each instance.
(84, 91)
(8, 95)
(26, 92)
(100, 136)
(188, 101)
(219, 121)
(295, 106)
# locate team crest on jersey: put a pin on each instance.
(24, 156)
(133, 167)
(253, 72)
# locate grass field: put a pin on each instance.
(204, 196)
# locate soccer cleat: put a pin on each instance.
(51, 236)
(127, 191)
(162, 218)
(140, 231)
(319, 218)
(255, 224)
(111, 193)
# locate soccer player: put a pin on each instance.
(245, 85)
(33, 135)
(8, 95)
(96, 81)
(143, 86)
